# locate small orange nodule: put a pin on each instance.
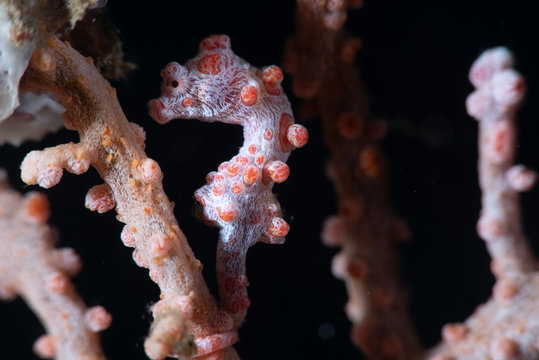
(100, 198)
(223, 166)
(252, 149)
(370, 163)
(268, 134)
(218, 189)
(259, 159)
(159, 246)
(249, 95)
(454, 332)
(210, 64)
(272, 75)
(227, 213)
(219, 177)
(278, 171)
(251, 174)
(210, 176)
(237, 187)
(37, 207)
(215, 42)
(297, 135)
(45, 346)
(188, 102)
(242, 160)
(498, 142)
(233, 169)
(278, 227)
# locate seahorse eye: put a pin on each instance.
(175, 84)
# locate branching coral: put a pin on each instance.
(31, 267)
(506, 326)
(133, 183)
(364, 228)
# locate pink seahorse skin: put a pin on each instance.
(219, 86)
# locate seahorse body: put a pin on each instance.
(219, 86)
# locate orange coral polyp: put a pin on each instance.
(227, 213)
(278, 227)
(210, 64)
(37, 207)
(297, 135)
(249, 95)
(268, 134)
(278, 171)
(272, 75)
(233, 169)
(186, 102)
(237, 187)
(251, 174)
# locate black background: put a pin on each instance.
(414, 65)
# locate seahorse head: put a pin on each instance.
(205, 87)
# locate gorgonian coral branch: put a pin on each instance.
(320, 60)
(499, 91)
(114, 147)
(219, 86)
(31, 267)
(505, 327)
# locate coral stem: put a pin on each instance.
(115, 149)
